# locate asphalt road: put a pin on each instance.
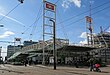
(46, 70)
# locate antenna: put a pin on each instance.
(101, 30)
(90, 24)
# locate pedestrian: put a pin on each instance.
(76, 63)
(91, 64)
(25, 62)
(30, 61)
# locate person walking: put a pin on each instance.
(91, 64)
(25, 62)
(76, 63)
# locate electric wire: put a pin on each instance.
(34, 27)
(65, 34)
(106, 28)
(84, 17)
(57, 1)
(36, 20)
(33, 30)
(10, 11)
(86, 12)
(82, 13)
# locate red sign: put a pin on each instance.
(50, 6)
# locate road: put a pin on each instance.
(46, 70)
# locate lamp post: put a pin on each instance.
(54, 51)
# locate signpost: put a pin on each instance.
(49, 9)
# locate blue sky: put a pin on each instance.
(21, 19)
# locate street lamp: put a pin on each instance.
(54, 51)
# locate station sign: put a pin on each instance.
(49, 6)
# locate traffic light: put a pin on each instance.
(21, 1)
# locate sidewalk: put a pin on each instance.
(79, 71)
(48, 70)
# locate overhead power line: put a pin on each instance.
(7, 42)
(34, 27)
(63, 29)
(37, 19)
(57, 1)
(10, 11)
(84, 17)
(82, 13)
(68, 18)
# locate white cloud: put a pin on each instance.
(12, 19)
(6, 34)
(83, 42)
(92, 1)
(83, 35)
(108, 30)
(76, 2)
(66, 3)
(2, 12)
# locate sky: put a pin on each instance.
(25, 21)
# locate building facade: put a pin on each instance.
(103, 41)
(12, 49)
(0, 50)
(35, 50)
(27, 43)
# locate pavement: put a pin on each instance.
(48, 70)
